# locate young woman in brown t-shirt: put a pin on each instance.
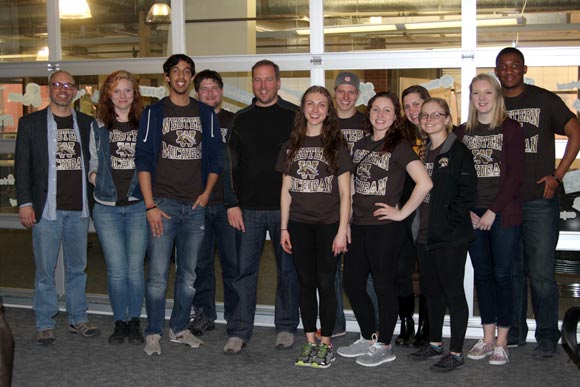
(315, 209)
(382, 159)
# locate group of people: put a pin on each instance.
(348, 199)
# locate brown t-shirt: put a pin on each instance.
(122, 141)
(178, 174)
(314, 191)
(69, 166)
(352, 129)
(486, 146)
(378, 177)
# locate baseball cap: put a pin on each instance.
(347, 78)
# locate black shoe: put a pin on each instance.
(119, 334)
(448, 363)
(544, 350)
(514, 342)
(407, 331)
(428, 351)
(135, 336)
(422, 336)
(199, 324)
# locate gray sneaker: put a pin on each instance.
(284, 340)
(356, 349)
(152, 344)
(377, 354)
(185, 337)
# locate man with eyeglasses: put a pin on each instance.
(55, 199)
(541, 114)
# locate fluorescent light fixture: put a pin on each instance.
(445, 24)
(74, 9)
(159, 13)
(42, 54)
(435, 25)
(351, 29)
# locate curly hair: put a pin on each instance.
(332, 137)
(106, 110)
(395, 132)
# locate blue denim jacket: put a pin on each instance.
(105, 191)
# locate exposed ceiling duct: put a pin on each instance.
(402, 7)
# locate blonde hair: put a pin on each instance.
(498, 114)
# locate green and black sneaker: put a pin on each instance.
(306, 355)
(323, 357)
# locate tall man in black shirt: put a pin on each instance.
(253, 198)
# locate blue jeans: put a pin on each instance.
(535, 263)
(218, 233)
(286, 316)
(492, 255)
(122, 231)
(71, 230)
(185, 229)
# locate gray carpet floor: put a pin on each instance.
(76, 361)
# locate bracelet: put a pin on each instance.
(283, 229)
(555, 178)
(150, 208)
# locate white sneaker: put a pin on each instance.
(356, 349)
(152, 344)
(185, 337)
(500, 356)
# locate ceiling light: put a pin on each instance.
(351, 29)
(159, 13)
(445, 24)
(42, 54)
(74, 9)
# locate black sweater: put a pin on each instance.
(452, 196)
(254, 145)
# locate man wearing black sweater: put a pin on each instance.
(253, 201)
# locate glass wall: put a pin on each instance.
(390, 45)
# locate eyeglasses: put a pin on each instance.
(433, 116)
(63, 85)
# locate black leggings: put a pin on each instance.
(374, 250)
(316, 268)
(442, 270)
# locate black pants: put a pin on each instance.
(407, 266)
(374, 250)
(443, 270)
(316, 268)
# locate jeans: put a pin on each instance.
(492, 255)
(71, 230)
(122, 231)
(286, 316)
(218, 233)
(535, 263)
(185, 228)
